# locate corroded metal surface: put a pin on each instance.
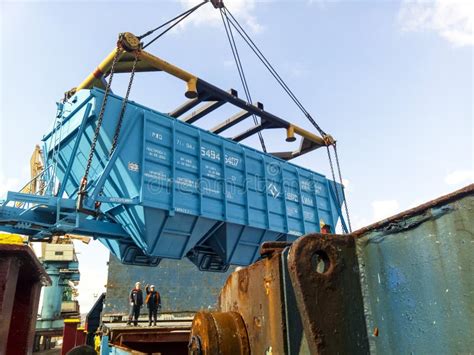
(165, 338)
(218, 333)
(21, 279)
(268, 248)
(301, 299)
(325, 277)
(417, 278)
(255, 293)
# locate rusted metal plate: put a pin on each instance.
(21, 279)
(255, 293)
(218, 333)
(154, 337)
(325, 277)
(118, 333)
(303, 299)
(164, 338)
(417, 278)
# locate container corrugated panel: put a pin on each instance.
(176, 185)
(417, 278)
(182, 287)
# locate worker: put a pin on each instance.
(97, 342)
(136, 302)
(153, 302)
(326, 229)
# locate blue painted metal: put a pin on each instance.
(104, 345)
(171, 190)
(417, 279)
(60, 272)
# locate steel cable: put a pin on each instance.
(240, 69)
(146, 34)
(240, 30)
(272, 70)
(181, 17)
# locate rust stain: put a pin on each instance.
(376, 332)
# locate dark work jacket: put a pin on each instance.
(153, 298)
(136, 297)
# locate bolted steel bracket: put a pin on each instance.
(129, 42)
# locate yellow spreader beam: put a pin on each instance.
(129, 44)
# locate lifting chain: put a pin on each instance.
(124, 104)
(100, 118)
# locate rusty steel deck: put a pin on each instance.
(167, 337)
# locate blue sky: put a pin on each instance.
(391, 81)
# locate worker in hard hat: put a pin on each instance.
(326, 229)
(136, 302)
(153, 302)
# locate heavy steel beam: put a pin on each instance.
(277, 122)
(202, 111)
(195, 89)
(233, 120)
(188, 105)
(251, 131)
(306, 146)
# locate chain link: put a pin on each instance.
(100, 118)
(124, 105)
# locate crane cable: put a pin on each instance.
(240, 30)
(179, 18)
(243, 79)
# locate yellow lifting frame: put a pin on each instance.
(129, 43)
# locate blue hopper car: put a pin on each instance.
(150, 185)
(178, 190)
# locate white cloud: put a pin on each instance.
(7, 184)
(298, 70)
(347, 185)
(359, 222)
(460, 177)
(207, 15)
(453, 20)
(91, 286)
(385, 208)
(229, 63)
(93, 259)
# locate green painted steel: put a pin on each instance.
(417, 279)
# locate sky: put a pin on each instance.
(392, 81)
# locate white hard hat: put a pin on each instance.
(152, 286)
